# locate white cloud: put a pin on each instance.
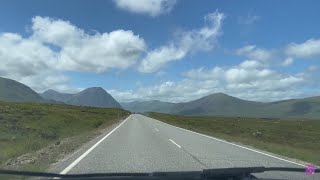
(155, 59)
(202, 39)
(23, 57)
(202, 73)
(184, 90)
(205, 38)
(55, 31)
(149, 7)
(249, 80)
(254, 53)
(124, 96)
(287, 61)
(49, 80)
(241, 81)
(29, 62)
(239, 75)
(55, 46)
(250, 64)
(83, 52)
(244, 73)
(310, 48)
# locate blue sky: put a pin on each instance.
(161, 49)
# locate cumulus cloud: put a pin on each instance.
(83, 52)
(202, 39)
(29, 62)
(202, 73)
(239, 75)
(155, 59)
(241, 81)
(55, 31)
(250, 64)
(248, 80)
(307, 49)
(55, 46)
(149, 7)
(254, 53)
(184, 90)
(243, 73)
(23, 57)
(251, 79)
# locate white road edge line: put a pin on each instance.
(156, 129)
(175, 143)
(253, 150)
(66, 170)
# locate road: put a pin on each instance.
(142, 144)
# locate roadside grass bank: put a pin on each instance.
(298, 139)
(33, 136)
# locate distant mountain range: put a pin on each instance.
(57, 96)
(14, 91)
(220, 104)
(94, 97)
(148, 106)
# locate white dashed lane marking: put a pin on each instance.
(175, 143)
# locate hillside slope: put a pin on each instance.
(218, 104)
(295, 108)
(11, 90)
(93, 97)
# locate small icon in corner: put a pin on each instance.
(310, 169)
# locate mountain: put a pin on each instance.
(11, 90)
(54, 95)
(94, 97)
(218, 104)
(295, 108)
(223, 105)
(148, 106)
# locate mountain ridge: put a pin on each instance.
(217, 104)
(93, 96)
(55, 95)
(147, 106)
(14, 91)
(220, 104)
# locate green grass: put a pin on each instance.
(28, 127)
(299, 139)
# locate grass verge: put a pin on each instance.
(33, 136)
(298, 139)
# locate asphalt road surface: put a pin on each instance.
(142, 144)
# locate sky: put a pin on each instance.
(168, 50)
